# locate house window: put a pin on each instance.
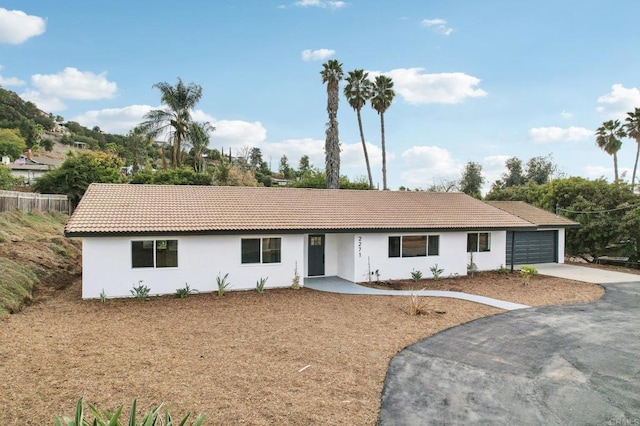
(154, 254)
(414, 246)
(261, 250)
(394, 246)
(478, 241)
(433, 245)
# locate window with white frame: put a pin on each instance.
(260, 250)
(478, 242)
(154, 254)
(414, 245)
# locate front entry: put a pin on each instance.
(316, 255)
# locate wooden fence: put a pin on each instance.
(27, 201)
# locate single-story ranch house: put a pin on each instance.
(167, 236)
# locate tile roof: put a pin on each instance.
(131, 209)
(533, 214)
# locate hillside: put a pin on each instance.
(35, 258)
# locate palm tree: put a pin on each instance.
(608, 139)
(199, 141)
(332, 74)
(381, 97)
(174, 119)
(632, 129)
(358, 92)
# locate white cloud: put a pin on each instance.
(353, 157)
(595, 172)
(324, 4)
(619, 101)
(417, 87)
(438, 25)
(566, 115)
(73, 84)
(556, 134)
(45, 103)
(17, 27)
(238, 133)
(11, 81)
(317, 55)
(114, 120)
(424, 164)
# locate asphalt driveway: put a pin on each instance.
(577, 364)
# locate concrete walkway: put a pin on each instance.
(585, 274)
(555, 365)
(339, 285)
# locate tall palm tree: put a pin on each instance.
(174, 119)
(632, 129)
(381, 97)
(332, 74)
(608, 139)
(358, 91)
(199, 134)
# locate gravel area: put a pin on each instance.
(283, 357)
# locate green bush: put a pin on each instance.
(108, 418)
(185, 291)
(260, 284)
(141, 291)
(416, 276)
(436, 272)
(527, 272)
(222, 283)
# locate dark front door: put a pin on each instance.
(316, 255)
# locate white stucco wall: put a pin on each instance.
(493, 259)
(346, 256)
(561, 241)
(106, 264)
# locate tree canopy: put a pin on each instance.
(77, 172)
(11, 143)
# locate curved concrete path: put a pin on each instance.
(556, 365)
(339, 285)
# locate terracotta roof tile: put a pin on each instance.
(532, 214)
(130, 209)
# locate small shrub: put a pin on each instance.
(436, 272)
(140, 292)
(295, 282)
(377, 274)
(103, 296)
(416, 305)
(222, 283)
(502, 270)
(185, 291)
(527, 272)
(108, 418)
(416, 276)
(260, 284)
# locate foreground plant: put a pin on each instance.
(527, 273)
(108, 418)
(222, 283)
(260, 284)
(103, 296)
(185, 291)
(416, 305)
(295, 283)
(436, 272)
(141, 291)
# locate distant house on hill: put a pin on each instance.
(29, 168)
(168, 235)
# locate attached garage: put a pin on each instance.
(543, 243)
(531, 247)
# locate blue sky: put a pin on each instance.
(475, 80)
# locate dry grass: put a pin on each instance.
(283, 357)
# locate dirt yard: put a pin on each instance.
(283, 357)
